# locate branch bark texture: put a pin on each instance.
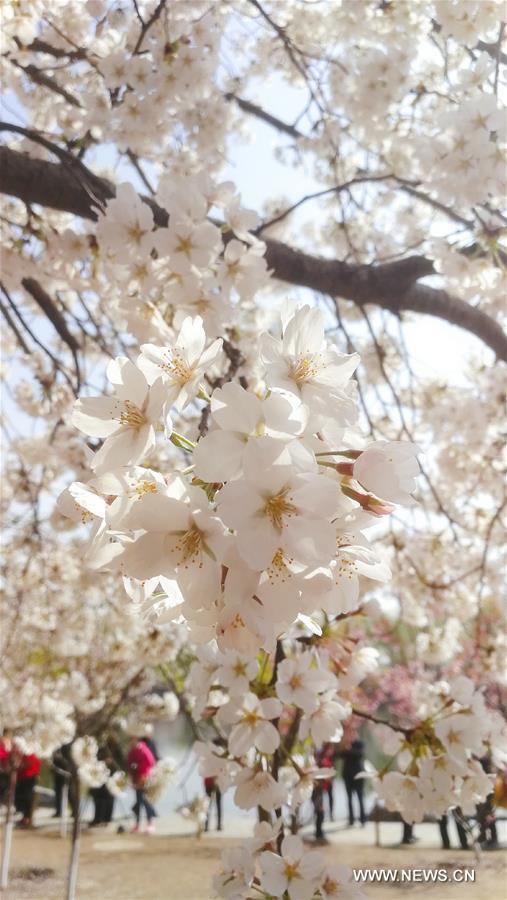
(393, 286)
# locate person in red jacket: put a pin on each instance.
(140, 762)
(28, 773)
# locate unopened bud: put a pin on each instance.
(369, 502)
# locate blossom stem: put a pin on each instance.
(179, 440)
(350, 454)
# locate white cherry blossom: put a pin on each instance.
(277, 507)
(258, 788)
(183, 366)
(127, 420)
(180, 539)
(295, 871)
(299, 681)
(241, 417)
(250, 718)
(305, 364)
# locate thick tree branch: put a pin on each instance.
(39, 46)
(392, 286)
(46, 304)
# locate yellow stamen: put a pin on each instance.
(176, 367)
(190, 544)
(291, 871)
(277, 507)
(303, 369)
(132, 415)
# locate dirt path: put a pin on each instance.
(135, 867)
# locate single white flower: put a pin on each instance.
(296, 871)
(353, 558)
(187, 243)
(236, 672)
(336, 884)
(305, 364)
(183, 366)
(251, 724)
(93, 774)
(84, 750)
(258, 788)
(127, 420)
(324, 723)
(460, 735)
(117, 783)
(241, 417)
(237, 870)
(400, 793)
(182, 540)
(275, 506)
(299, 681)
(214, 763)
(126, 228)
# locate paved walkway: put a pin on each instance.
(241, 826)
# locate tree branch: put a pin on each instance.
(46, 81)
(259, 113)
(392, 286)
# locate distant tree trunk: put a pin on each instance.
(8, 829)
(76, 837)
(64, 813)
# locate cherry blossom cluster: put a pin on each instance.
(161, 276)
(265, 523)
(439, 758)
(292, 872)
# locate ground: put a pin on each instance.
(179, 867)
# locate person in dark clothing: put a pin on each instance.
(318, 806)
(408, 836)
(103, 800)
(213, 792)
(486, 818)
(325, 760)
(61, 761)
(353, 764)
(148, 740)
(28, 774)
(444, 833)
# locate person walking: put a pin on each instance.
(6, 752)
(149, 741)
(486, 816)
(408, 836)
(325, 760)
(318, 807)
(444, 833)
(353, 764)
(61, 767)
(24, 796)
(103, 800)
(213, 792)
(140, 762)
